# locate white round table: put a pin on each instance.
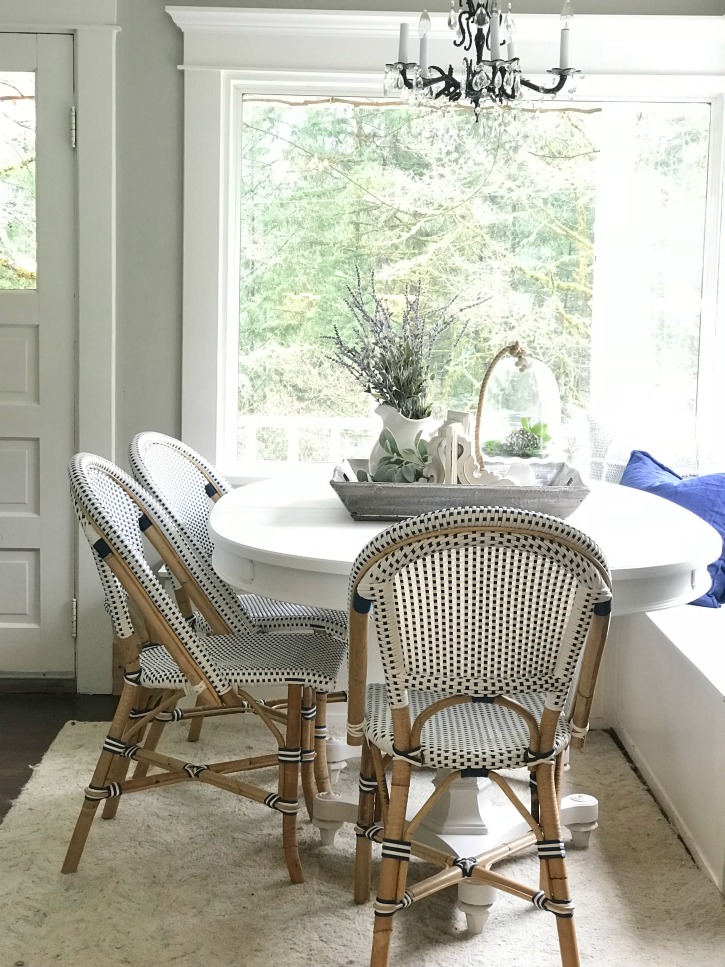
(292, 539)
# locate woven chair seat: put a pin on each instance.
(313, 660)
(269, 615)
(470, 736)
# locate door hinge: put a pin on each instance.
(74, 618)
(73, 127)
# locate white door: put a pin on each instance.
(37, 354)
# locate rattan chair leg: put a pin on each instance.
(117, 773)
(322, 774)
(187, 610)
(556, 876)
(100, 779)
(121, 765)
(289, 782)
(367, 807)
(155, 731)
(393, 872)
(196, 724)
(308, 749)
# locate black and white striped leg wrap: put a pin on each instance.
(320, 733)
(175, 715)
(413, 756)
(287, 806)
(550, 849)
(386, 908)
(132, 678)
(96, 793)
(309, 712)
(308, 755)
(118, 747)
(560, 908)
(396, 849)
(367, 785)
(539, 757)
(369, 832)
(285, 755)
(194, 771)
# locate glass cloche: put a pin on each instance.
(519, 408)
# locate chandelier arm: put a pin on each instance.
(451, 86)
(557, 86)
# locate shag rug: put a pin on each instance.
(194, 877)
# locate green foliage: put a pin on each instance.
(528, 441)
(501, 211)
(392, 358)
(17, 182)
(398, 466)
(413, 196)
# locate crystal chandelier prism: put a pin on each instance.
(491, 70)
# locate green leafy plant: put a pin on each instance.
(528, 440)
(393, 359)
(398, 466)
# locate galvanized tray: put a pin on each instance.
(559, 491)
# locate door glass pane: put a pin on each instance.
(17, 181)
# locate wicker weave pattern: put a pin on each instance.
(177, 476)
(108, 512)
(498, 607)
(104, 498)
(471, 736)
(483, 619)
(248, 660)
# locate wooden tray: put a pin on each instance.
(559, 491)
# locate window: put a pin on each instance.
(589, 228)
(508, 216)
(17, 180)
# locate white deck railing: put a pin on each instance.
(294, 426)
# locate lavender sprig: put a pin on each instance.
(393, 360)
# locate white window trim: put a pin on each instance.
(229, 51)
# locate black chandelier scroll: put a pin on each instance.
(481, 29)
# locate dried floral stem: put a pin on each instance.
(393, 360)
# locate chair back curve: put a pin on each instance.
(113, 511)
(181, 480)
(481, 601)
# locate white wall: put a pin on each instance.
(149, 111)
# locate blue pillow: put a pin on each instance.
(704, 496)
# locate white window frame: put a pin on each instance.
(229, 52)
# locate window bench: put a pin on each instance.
(665, 697)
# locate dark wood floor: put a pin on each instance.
(28, 725)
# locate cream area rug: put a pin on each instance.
(194, 877)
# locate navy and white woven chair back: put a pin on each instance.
(180, 479)
(482, 601)
(115, 599)
(110, 517)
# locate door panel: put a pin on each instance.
(37, 354)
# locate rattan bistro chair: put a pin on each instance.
(177, 661)
(491, 624)
(186, 485)
(209, 603)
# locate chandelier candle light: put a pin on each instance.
(495, 72)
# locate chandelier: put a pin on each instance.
(492, 72)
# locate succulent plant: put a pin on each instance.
(398, 466)
(528, 440)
